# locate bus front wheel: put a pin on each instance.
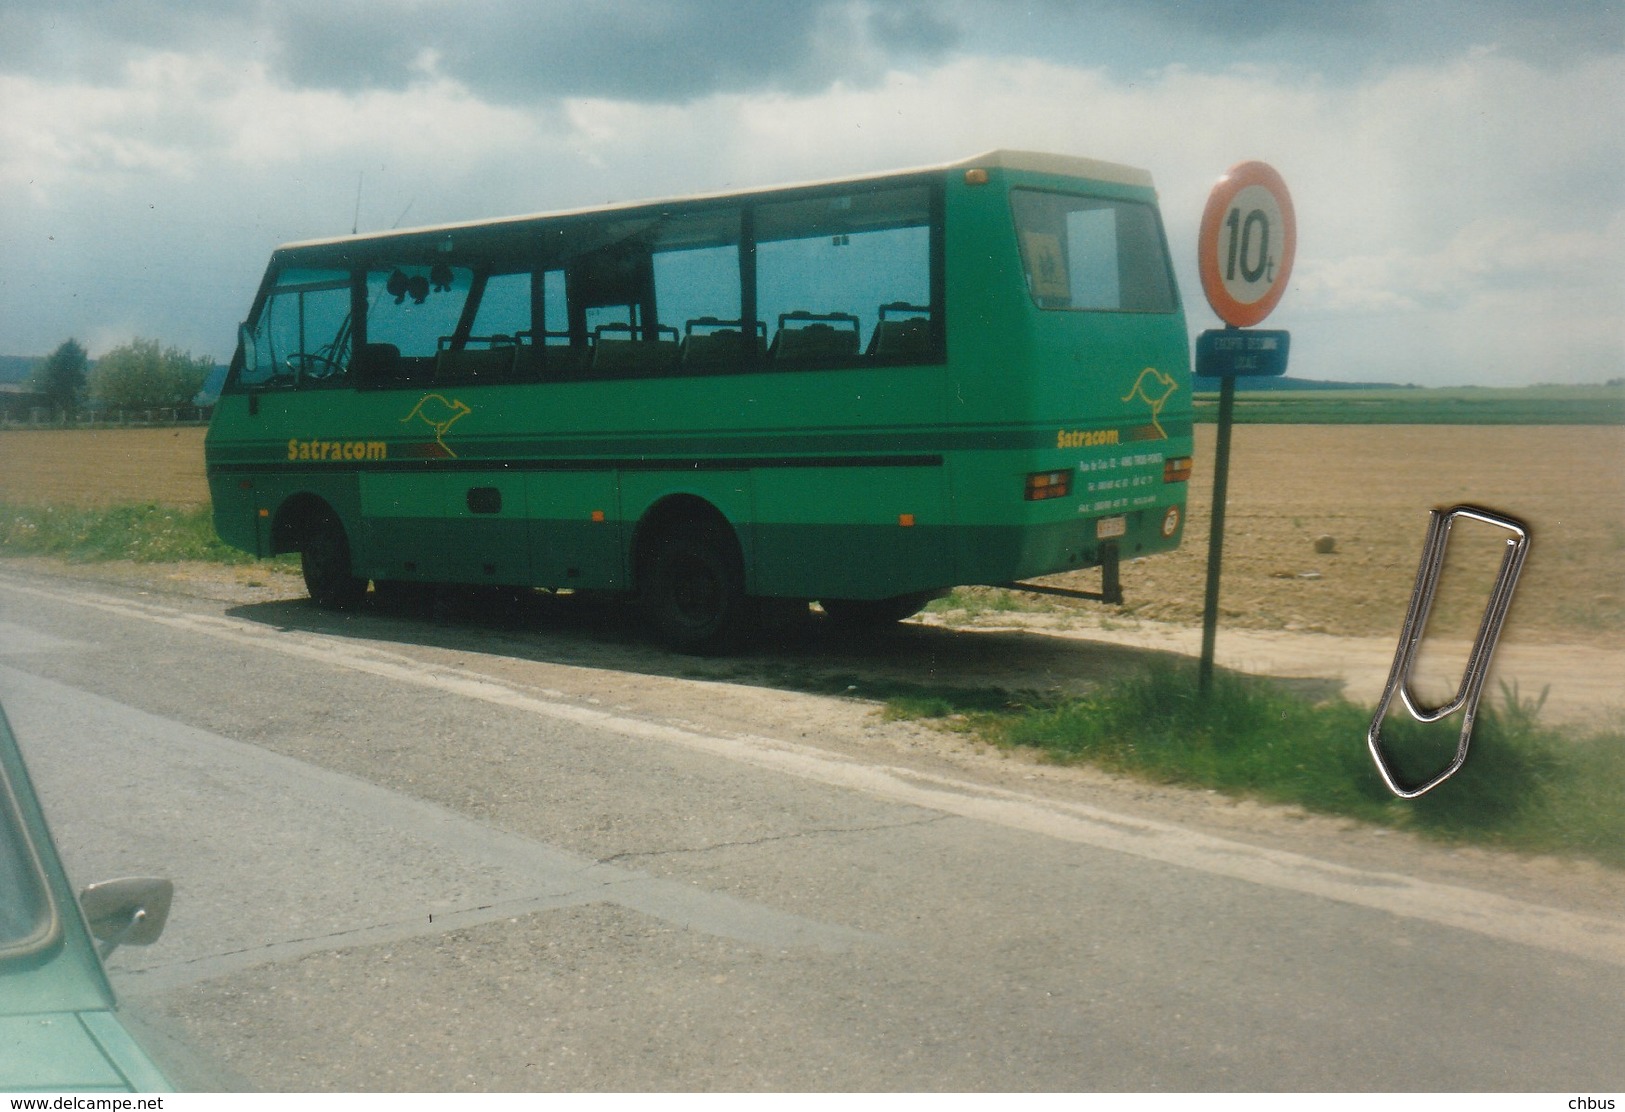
(695, 592)
(325, 561)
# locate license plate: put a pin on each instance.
(1111, 527)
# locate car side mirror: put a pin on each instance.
(130, 910)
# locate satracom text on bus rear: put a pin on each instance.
(862, 392)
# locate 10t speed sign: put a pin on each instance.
(1246, 243)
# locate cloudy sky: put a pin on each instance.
(1457, 166)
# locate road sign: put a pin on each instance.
(1245, 247)
(1242, 351)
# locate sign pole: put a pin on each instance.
(1244, 251)
(1215, 537)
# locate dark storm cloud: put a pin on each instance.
(1242, 19)
(513, 50)
(520, 51)
(1340, 41)
(90, 40)
(506, 50)
(1594, 24)
(659, 50)
(1353, 35)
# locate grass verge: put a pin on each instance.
(148, 533)
(1524, 786)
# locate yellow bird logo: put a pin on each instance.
(1155, 401)
(440, 414)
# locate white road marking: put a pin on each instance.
(1483, 913)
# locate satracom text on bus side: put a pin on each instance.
(1086, 438)
(337, 451)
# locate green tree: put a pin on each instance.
(141, 375)
(61, 377)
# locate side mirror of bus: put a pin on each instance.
(250, 354)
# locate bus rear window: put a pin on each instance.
(1088, 253)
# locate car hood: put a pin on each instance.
(85, 1052)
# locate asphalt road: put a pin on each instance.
(406, 866)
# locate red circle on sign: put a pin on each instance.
(1245, 247)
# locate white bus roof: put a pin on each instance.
(1030, 161)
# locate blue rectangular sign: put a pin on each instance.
(1228, 352)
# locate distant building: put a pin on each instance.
(18, 401)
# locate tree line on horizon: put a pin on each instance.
(142, 374)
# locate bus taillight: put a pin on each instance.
(1042, 485)
(1177, 470)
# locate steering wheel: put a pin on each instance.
(311, 365)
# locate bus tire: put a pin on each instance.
(324, 558)
(695, 590)
(875, 613)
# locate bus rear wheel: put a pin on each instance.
(695, 589)
(875, 613)
(325, 561)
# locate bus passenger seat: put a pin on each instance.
(721, 349)
(548, 356)
(711, 350)
(819, 340)
(906, 340)
(633, 357)
(495, 363)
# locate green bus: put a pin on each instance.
(862, 392)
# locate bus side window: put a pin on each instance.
(548, 352)
(697, 292)
(411, 307)
(489, 353)
(504, 307)
(825, 265)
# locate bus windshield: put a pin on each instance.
(303, 332)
